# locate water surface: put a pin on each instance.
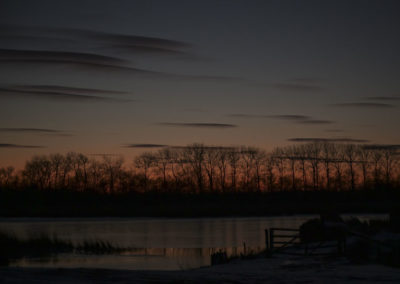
(158, 243)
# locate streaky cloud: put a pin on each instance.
(40, 131)
(199, 125)
(34, 55)
(343, 140)
(59, 88)
(57, 96)
(294, 117)
(316, 121)
(93, 35)
(243, 115)
(303, 119)
(83, 65)
(121, 42)
(385, 99)
(32, 130)
(145, 146)
(143, 49)
(7, 145)
(364, 105)
(209, 147)
(124, 39)
(90, 66)
(279, 116)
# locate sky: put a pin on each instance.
(123, 77)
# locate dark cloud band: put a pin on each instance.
(199, 125)
(303, 119)
(32, 130)
(343, 140)
(384, 99)
(55, 95)
(6, 145)
(364, 105)
(145, 146)
(38, 55)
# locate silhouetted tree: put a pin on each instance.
(144, 162)
(349, 151)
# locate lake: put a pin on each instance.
(158, 243)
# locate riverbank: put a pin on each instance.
(277, 269)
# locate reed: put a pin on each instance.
(13, 248)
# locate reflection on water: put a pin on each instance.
(162, 244)
(138, 259)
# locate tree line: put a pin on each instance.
(199, 168)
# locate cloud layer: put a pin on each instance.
(7, 145)
(385, 99)
(59, 93)
(303, 119)
(40, 131)
(199, 125)
(364, 105)
(145, 146)
(344, 140)
(32, 130)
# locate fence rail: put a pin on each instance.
(277, 239)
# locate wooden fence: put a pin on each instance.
(277, 239)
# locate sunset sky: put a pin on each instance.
(110, 77)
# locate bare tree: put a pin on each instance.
(364, 156)
(327, 158)
(112, 168)
(338, 161)
(350, 157)
(389, 159)
(247, 164)
(144, 162)
(259, 161)
(313, 154)
(269, 169)
(279, 158)
(291, 153)
(222, 164)
(164, 158)
(6, 175)
(234, 158)
(38, 172)
(56, 161)
(210, 161)
(302, 158)
(194, 156)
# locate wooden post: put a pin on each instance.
(271, 239)
(267, 240)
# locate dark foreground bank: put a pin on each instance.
(63, 203)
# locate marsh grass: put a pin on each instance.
(13, 248)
